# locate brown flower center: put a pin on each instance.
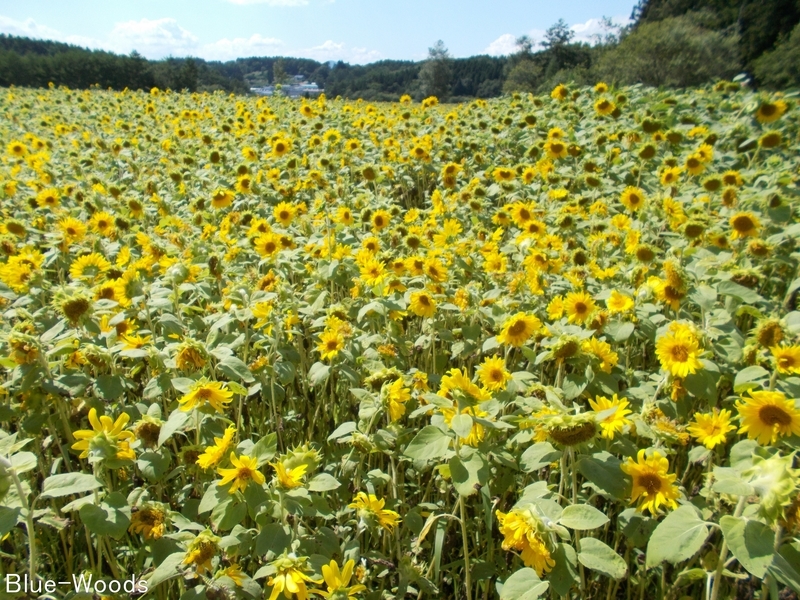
(774, 415)
(680, 353)
(650, 482)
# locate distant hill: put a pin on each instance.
(36, 63)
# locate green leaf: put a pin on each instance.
(462, 425)
(65, 484)
(582, 517)
(272, 538)
(594, 554)
(620, 332)
(177, 419)
(603, 470)
(111, 517)
(323, 483)
(538, 456)
(564, 575)
(109, 387)
(749, 378)
(318, 373)
(169, 568)
(677, 538)
(23, 462)
(750, 542)
(731, 288)
(523, 585)
(228, 514)
(8, 518)
(154, 465)
(469, 472)
(430, 443)
(265, 448)
(343, 430)
(235, 369)
(785, 567)
(215, 494)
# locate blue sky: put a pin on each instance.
(356, 31)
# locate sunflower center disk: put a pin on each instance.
(774, 415)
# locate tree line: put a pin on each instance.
(673, 43)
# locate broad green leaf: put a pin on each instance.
(731, 288)
(65, 484)
(462, 425)
(523, 585)
(469, 473)
(538, 456)
(749, 378)
(235, 369)
(785, 567)
(265, 448)
(272, 538)
(677, 538)
(603, 470)
(111, 517)
(109, 387)
(751, 542)
(323, 483)
(594, 554)
(430, 443)
(170, 567)
(318, 373)
(582, 517)
(565, 572)
(343, 430)
(177, 419)
(215, 494)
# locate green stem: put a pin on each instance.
(723, 554)
(23, 498)
(464, 540)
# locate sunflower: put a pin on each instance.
(579, 307)
(767, 416)
(493, 374)
(290, 578)
(397, 395)
(107, 439)
(770, 111)
(518, 329)
(17, 149)
(787, 359)
(555, 148)
(289, 479)
(281, 146)
(632, 198)
(653, 486)
(330, 343)
(370, 509)
(616, 421)
(48, 198)
(89, 267)
(560, 93)
(102, 223)
(380, 220)
(522, 531)
(338, 582)
(604, 107)
(503, 175)
(284, 213)
(221, 198)
(373, 272)
(771, 139)
(710, 429)
(422, 304)
(744, 224)
(244, 470)
(214, 454)
(204, 393)
(678, 352)
(150, 520)
(617, 302)
(201, 551)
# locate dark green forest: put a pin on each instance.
(673, 43)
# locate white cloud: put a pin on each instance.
(30, 28)
(271, 2)
(594, 29)
(160, 38)
(589, 32)
(330, 50)
(154, 38)
(505, 44)
(255, 45)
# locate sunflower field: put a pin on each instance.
(533, 347)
